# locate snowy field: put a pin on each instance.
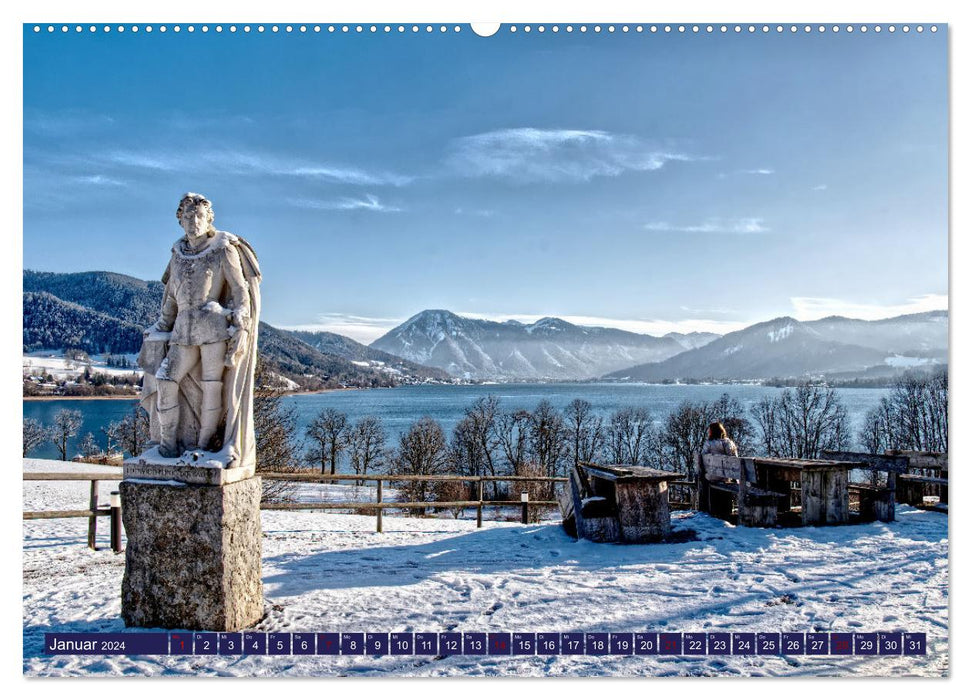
(53, 362)
(325, 572)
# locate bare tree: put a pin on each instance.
(88, 447)
(631, 438)
(730, 413)
(276, 427)
(513, 430)
(547, 438)
(131, 433)
(35, 435)
(802, 422)
(537, 490)
(684, 434)
(912, 417)
(422, 451)
(67, 422)
(475, 443)
(366, 445)
(919, 404)
(584, 432)
(482, 426)
(767, 423)
(329, 433)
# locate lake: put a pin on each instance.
(398, 408)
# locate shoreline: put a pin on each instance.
(136, 397)
(131, 397)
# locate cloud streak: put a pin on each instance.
(714, 225)
(812, 308)
(363, 329)
(368, 202)
(243, 163)
(555, 155)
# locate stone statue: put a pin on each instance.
(199, 358)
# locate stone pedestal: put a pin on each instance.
(193, 559)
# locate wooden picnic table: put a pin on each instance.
(641, 495)
(824, 485)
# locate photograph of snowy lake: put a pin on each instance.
(548, 350)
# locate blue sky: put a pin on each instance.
(647, 181)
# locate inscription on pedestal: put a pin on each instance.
(134, 469)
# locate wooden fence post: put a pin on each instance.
(93, 520)
(478, 510)
(380, 510)
(116, 522)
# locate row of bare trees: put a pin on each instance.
(912, 417)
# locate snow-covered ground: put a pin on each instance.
(53, 362)
(329, 572)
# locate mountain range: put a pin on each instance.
(105, 312)
(549, 349)
(787, 348)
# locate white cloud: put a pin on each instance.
(98, 180)
(65, 123)
(555, 155)
(236, 162)
(485, 213)
(713, 225)
(758, 171)
(368, 202)
(812, 308)
(363, 329)
(820, 188)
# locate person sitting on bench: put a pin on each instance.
(718, 442)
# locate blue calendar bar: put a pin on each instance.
(677, 644)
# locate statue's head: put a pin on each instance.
(195, 215)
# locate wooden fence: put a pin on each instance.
(379, 505)
(93, 511)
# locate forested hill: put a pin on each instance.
(120, 296)
(105, 312)
(50, 322)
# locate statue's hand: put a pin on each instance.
(235, 348)
(241, 318)
(157, 327)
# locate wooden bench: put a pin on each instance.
(586, 515)
(926, 475)
(618, 502)
(876, 501)
(728, 484)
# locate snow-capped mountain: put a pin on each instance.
(785, 347)
(550, 348)
(692, 341)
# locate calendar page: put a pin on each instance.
(545, 349)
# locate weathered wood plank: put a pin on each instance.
(643, 512)
(75, 476)
(53, 514)
(887, 463)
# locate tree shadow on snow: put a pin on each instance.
(535, 547)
